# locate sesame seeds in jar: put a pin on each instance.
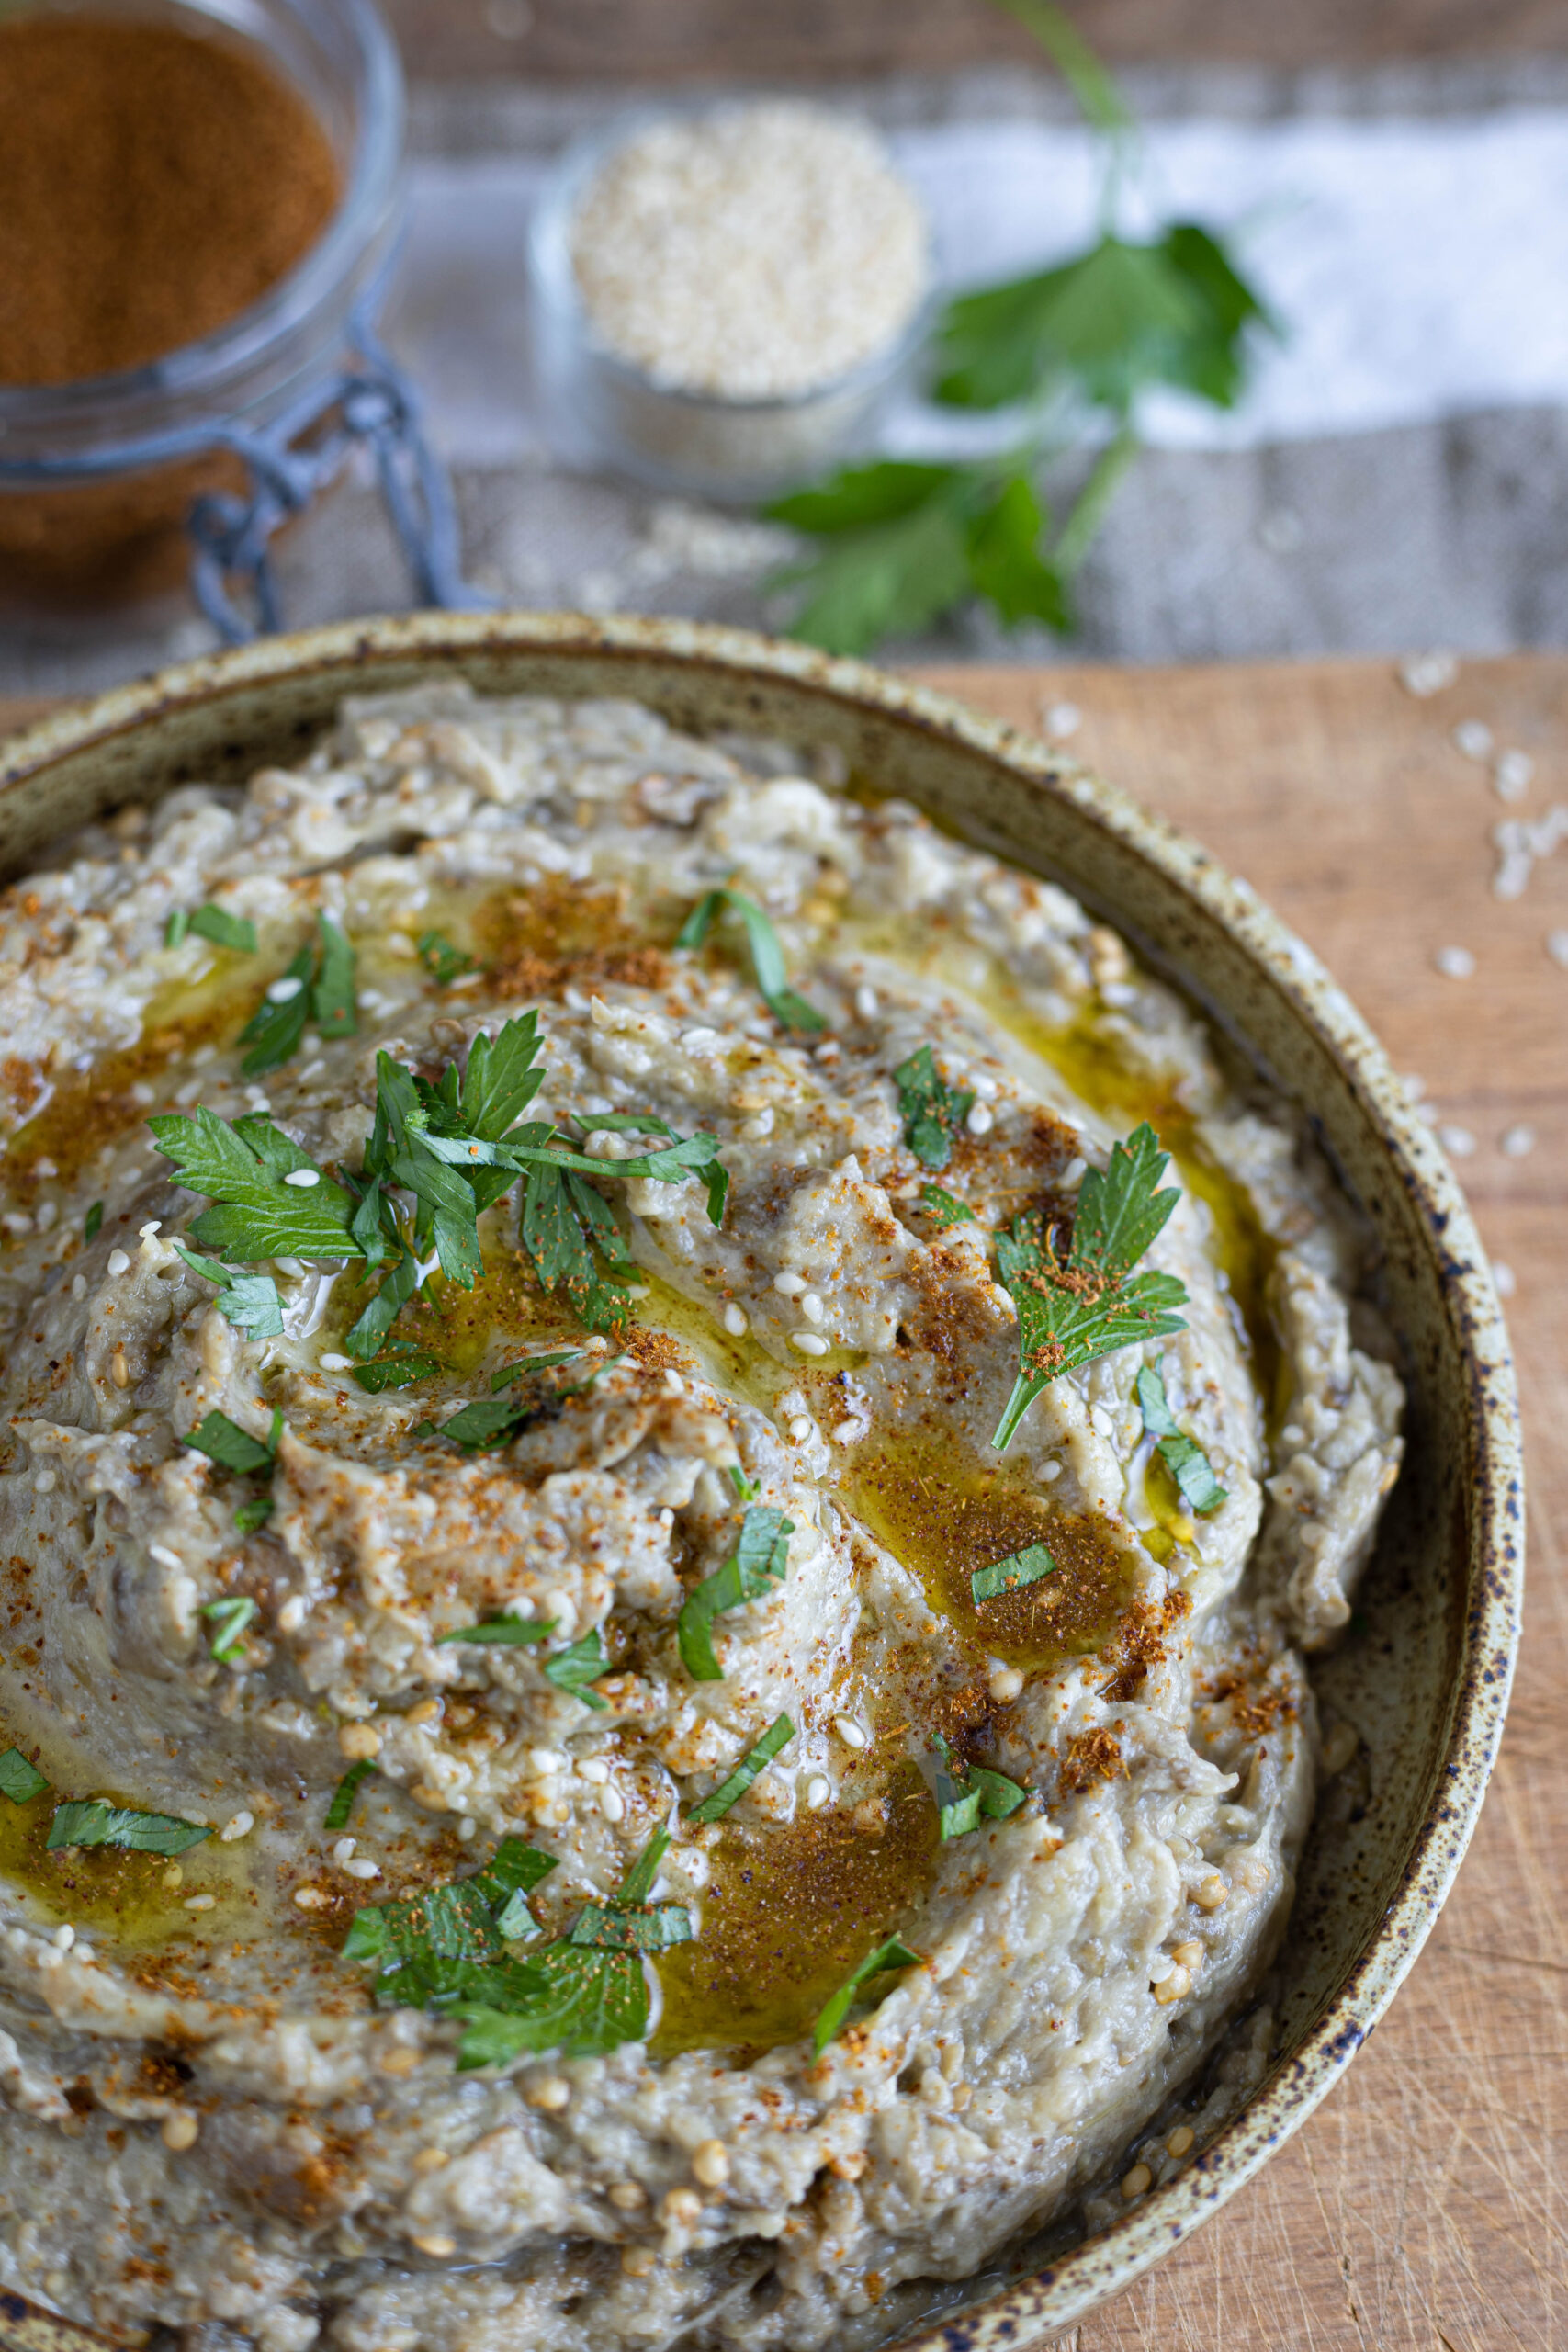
(727, 296)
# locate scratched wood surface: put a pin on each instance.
(1422, 2208)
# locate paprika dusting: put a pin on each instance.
(153, 183)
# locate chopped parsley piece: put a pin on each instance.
(760, 1561)
(1182, 1455)
(212, 923)
(332, 1006)
(1010, 1575)
(1091, 1305)
(965, 1795)
(428, 1946)
(337, 1813)
(779, 1734)
(250, 1301)
(746, 1488)
(94, 1223)
(767, 956)
(575, 1670)
(241, 1168)
(892, 1954)
(229, 1617)
(94, 1823)
(443, 960)
(254, 1514)
(275, 1029)
(490, 1422)
(232, 1448)
(943, 1208)
(930, 1108)
(20, 1780)
(400, 1368)
(505, 1631)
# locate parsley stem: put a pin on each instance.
(1081, 528)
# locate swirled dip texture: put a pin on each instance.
(210, 2115)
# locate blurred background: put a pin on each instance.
(1390, 177)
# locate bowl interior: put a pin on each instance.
(1424, 1675)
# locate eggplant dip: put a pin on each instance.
(670, 1451)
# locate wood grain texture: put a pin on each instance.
(1422, 2208)
(715, 40)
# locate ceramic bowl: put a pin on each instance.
(1425, 1678)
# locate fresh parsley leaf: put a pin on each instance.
(580, 2002)
(505, 1631)
(398, 1370)
(212, 922)
(642, 1877)
(443, 960)
(229, 1619)
(761, 1560)
(255, 1514)
(575, 1670)
(607, 1927)
(1010, 1575)
(94, 1223)
(241, 1168)
(94, 1823)
(274, 1028)
(964, 1794)
(767, 956)
(176, 927)
(366, 1336)
(892, 1954)
(1006, 566)
(942, 1207)
(508, 1878)
(250, 1301)
(546, 1361)
(337, 1813)
(19, 1780)
(930, 1108)
(332, 1006)
(490, 1422)
(747, 1489)
(779, 1734)
(232, 1448)
(502, 1078)
(1182, 1455)
(1092, 1305)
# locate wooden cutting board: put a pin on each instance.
(1421, 2209)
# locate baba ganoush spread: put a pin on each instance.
(670, 1448)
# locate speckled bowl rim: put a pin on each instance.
(1029, 2311)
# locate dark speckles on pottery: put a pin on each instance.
(1425, 1678)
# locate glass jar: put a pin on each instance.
(83, 516)
(697, 444)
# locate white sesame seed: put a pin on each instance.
(1004, 1683)
(64, 1937)
(854, 1735)
(164, 1557)
(312, 1069)
(180, 2130)
(543, 1761)
(866, 1006)
(47, 1214)
(292, 1614)
(45, 1168)
(241, 1827)
(808, 1343)
(981, 1119)
(44, 1483)
(549, 2093)
(332, 1362)
(1516, 1142)
(17, 1221)
(1061, 719)
(848, 1432)
(1457, 1142)
(201, 1903)
(1557, 947)
(674, 1383)
(78, 1286)
(285, 991)
(311, 1898)
(1503, 1280)
(362, 1869)
(811, 1306)
(735, 1322)
(788, 1285)
(1428, 673)
(343, 1850)
(612, 1805)
(817, 1793)
(1072, 1174)
(1512, 774)
(118, 1263)
(467, 1829)
(303, 1178)
(710, 2164)
(1454, 963)
(697, 1038)
(1474, 738)
(801, 1427)
(594, 1770)
(151, 1230)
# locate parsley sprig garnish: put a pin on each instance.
(1182, 1455)
(1089, 1304)
(438, 1155)
(767, 956)
(316, 987)
(759, 1562)
(448, 1950)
